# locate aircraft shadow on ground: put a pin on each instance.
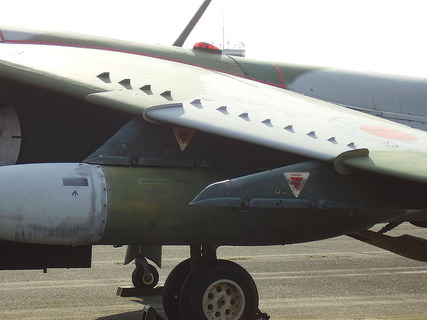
(153, 301)
(135, 315)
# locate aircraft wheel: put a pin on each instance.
(221, 290)
(172, 289)
(421, 224)
(143, 281)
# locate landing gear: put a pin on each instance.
(221, 290)
(204, 288)
(172, 289)
(145, 275)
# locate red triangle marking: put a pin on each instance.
(297, 182)
(183, 136)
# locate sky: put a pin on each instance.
(371, 35)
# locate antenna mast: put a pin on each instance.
(190, 26)
(223, 30)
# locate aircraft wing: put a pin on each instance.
(183, 94)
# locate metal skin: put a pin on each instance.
(61, 128)
(108, 176)
(54, 127)
(89, 204)
(144, 205)
(150, 206)
(61, 204)
(10, 136)
(398, 98)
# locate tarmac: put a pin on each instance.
(339, 278)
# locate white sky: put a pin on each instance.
(377, 35)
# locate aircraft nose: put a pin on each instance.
(52, 203)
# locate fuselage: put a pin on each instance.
(149, 181)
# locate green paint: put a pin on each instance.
(405, 165)
(150, 205)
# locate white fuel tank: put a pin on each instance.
(53, 203)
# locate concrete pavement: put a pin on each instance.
(339, 278)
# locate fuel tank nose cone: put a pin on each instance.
(52, 203)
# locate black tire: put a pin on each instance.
(421, 224)
(221, 290)
(172, 289)
(143, 282)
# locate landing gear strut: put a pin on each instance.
(205, 288)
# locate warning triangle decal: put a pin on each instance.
(183, 136)
(296, 181)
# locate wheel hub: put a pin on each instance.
(224, 300)
(147, 279)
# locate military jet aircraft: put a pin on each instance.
(107, 142)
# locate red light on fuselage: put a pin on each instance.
(206, 47)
